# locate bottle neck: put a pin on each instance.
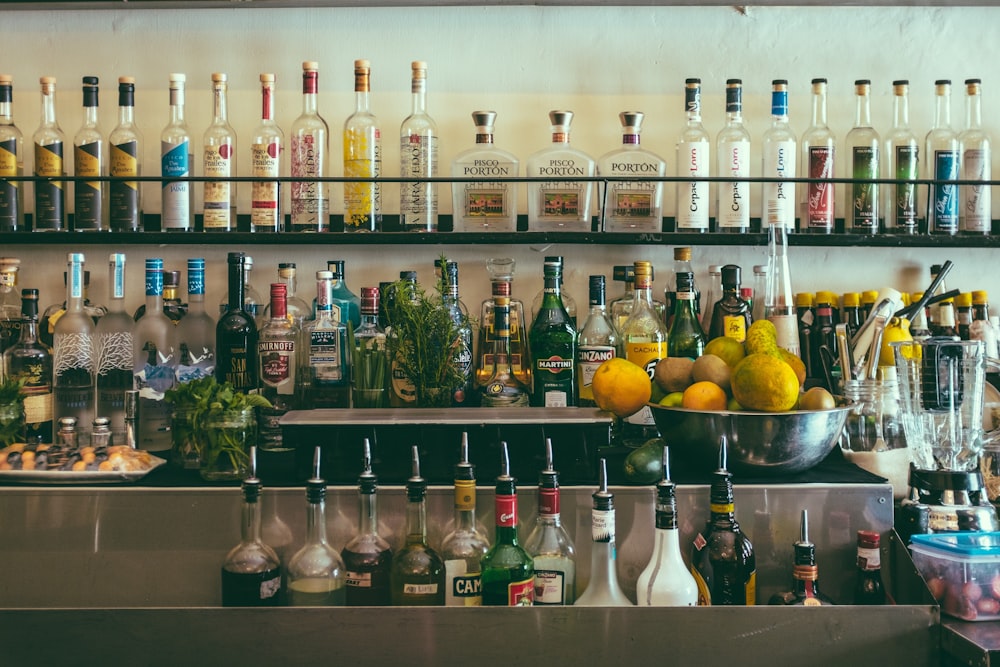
(29, 330)
(48, 105)
(74, 289)
(973, 111)
(942, 111)
(416, 522)
(315, 523)
(506, 517)
(235, 286)
(176, 106)
(279, 310)
(805, 581)
(863, 111)
(250, 526)
(6, 108)
(484, 138)
(362, 101)
(501, 332)
(642, 295)
(368, 517)
(819, 108)
(291, 283)
(90, 116)
(630, 139)
(418, 98)
(369, 321)
(779, 107)
(220, 112)
(900, 111)
(310, 88)
(126, 115)
(267, 103)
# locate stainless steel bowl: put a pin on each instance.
(762, 443)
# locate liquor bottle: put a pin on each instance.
(11, 162)
(265, 162)
(903, 152)
(644, 337)
(418, 158)
(74, 352)
(362, 158)
(369, 364)
(682, 263)
(10, 306)
(508, 572)
(310, 144)
(553, 346)
(569, 303)
(52, 313)
(666, 581)
(196, 332)
(251, 573)
(685, 338)
(805, 583)
(597, 342)
(631, 206)
(501, 270)
(326, 363)
(869, 588)
(418, 577)
(31, 362)
(779, 300)
(693, 161)
(722, 560)
(981, 329)
(125, 162)
(277, 353)
(713, 294)
(173, 307)
(560, 205)
(549, 545)
(49, 141)
(296, 310)
(219, 161)
(818, 155)
(824, 333)
(730, 314)
(367, 556)
(603, 589)
(963, 314)
(115, 341)
(252, 301)
(861, 208)
(851, 304)
(89, 159)
(316, 573)
(236, 335)
(462, 395)
(806, 316)
(346, 304)
(502, 388)
(760, 274)
(946, 325)
(621, 307)
(733, 150)
(464, 547)
(153, 363)
(402, 392)
(944, 159)
(488, 204)
(779, 146)
(176, 161)
(977, 164)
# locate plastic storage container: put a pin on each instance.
(962, 571)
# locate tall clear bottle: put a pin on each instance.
(861, 205)
(779, 299)
(236, 334)
(50, 142)
(462, 395)
(176, 160)
(944, 158)
(644, 337)
(367, 556)
(89, 159)
(549, 545)
(11, 161)
(326, 362)
(780, 148)
(310, 144)
(266, 146)
(485, 205)
(154, 363)
(464, 547)
(693, 160)
(418, 158)
(114, 349)
(219, 161)
(362, 158)
(597, 342)
(74, 352)
(977, 164)
(296, 309)
(125, 162)
(631, 206)
(903, 154)
(418, 577)
(560, 205)
(818, 156)
(508, 573)
(603, 589)
(30, 361)
(196, 330)
(733, 158)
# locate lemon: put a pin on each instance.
(621, 387)
(765, 382)
(762, 338)
(898, 329)
(672, 400)
(728, 349)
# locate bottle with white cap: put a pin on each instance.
(175, 161)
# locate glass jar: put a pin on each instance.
(873, 436)
(185, 432)
(11, 423)
(225, 448)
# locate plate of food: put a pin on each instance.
(58, 464)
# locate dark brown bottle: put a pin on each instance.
(730, 314)
(367, 557)
(805, 574)
(869, 589)
(236, 335)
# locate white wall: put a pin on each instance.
(522, 62)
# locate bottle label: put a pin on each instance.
(779, 198)
(905, 199)
(589, 359)
(645, 355)
(869, 559)
(277, 365)
(264, 195)
(692, 196)
(787, 328)
(521, 593)
(418, 156)
(238, 372)
(49, 196)
(123, 202)
(218, 163)
(358, 579)
(176, 206)
(420, 589)
(750, 589)
(88, 194)
(734, 198)
(486, 200)
(560, 202)
(864, 193)
(704, 593)
(464, 589)
(37, 404)
(505, 508)
(819, 196)
(402, 386)
(549, 587)
(977, 202)
(325, 357)
(735, 327)
(944, 197)
(548, 502)
(602, 527)
(362, 159)
(9, 213)
(72, 351)
(309, 204)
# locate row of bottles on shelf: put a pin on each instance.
(484, 199)
(466, 570)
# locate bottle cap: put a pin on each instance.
(964, 300)
(851, 300)
(631, 121)
(219, 77)
(177, 77)
(682, 254)
(310, 66)
(316, 485)
(367, 481)
(597, 290)
(464, 469)
(171, 278)
(336, 266)
(826, 297)
(47, 80)
(561, 120)
(416, 486)
(746, 293)
(267, 78)
(410, 276)
(362, 65)
(731, 274)
(804, 300)
(484, 120)
(369, 300)
(501, 288)
(90, 80)
(685, 281)
(6, 79)
(236, 258)
(279, 290)
(624, 274)
(715, 269)
(761, 269)
(869, 296)
(980, 297)
(869, 539)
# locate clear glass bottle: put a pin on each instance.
(153, 363)
(196, 332)
(501, 270)
(621, 307)
(74, 352)
(31, 362)
(418, 158)
(463, 395)
(977, 164)
(346, 304)
(861, 206)
(503, 388)
(805, 574)
(362, 158)
(686, 338)
(219, 161)
(903, 155)
(779, 299)
(597, 342)
(603, 589)
(731, 315)
(266, 147)
(277, 353)
(760, 273)
(553, 346)
(10, 305)
(11, 161)
(316, 573)
(624, 205)
(490, 203)
(125, 162)
(89, 159)
(310, 144)
(296, 310)
(560, 205)
(779, 146)
(176, 161)
(508, 572)
(369, 365)
(49, 142)
(464, 547)
(549, 545)
(713, 294)
(644, 337)
(733, 158)
(943, 155)
(694, 161)
(666, 581)
(819, 150)
(236, 334)
(418, 577)
(367, 556)
(251, 572)
(114, 335)
(326, 362)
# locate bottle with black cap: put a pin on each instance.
(730, 314)
(549, 545)
(417, 571)
(368, 557)
(463, 548)
(603, 589)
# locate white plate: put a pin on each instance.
(78, 476)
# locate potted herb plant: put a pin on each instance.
(11, 411)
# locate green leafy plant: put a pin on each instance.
(11, 425)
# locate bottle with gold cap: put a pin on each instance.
(806, 318)
(310, 144)
(868, 299)
(826, 296)
(49, 140)
(644, 337)
(219, 161)
(125, 145)
(265, 162)
(418, 157)
(560, 205)
(851, 303)
(362, 158)
(963, 314)
(977, 159)
(12, 164)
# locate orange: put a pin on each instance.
(728, 349)
(705, 395)
(764, 382)
(621, 387)
(792, 360)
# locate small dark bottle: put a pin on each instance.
(730, 314)
(236, 335)
(807, 319)
(686, 339)
(869, 590)
(805, 574)
(824, 336)
(852, 313)
(368, 557)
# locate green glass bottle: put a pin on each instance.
(418, 576)
(508, 572)
(552, 341)
(686, 338)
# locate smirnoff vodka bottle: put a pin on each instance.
(903, 154)
(485, 205)
(631, 206)
(977, 157)
(560, 205)
(310, 145)
(861, 209)
(779, 149)
(733, 152)
(418, 157)
(693, 156)
(89, 158)
(818, 153)
(175, 160)
(943, 160)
